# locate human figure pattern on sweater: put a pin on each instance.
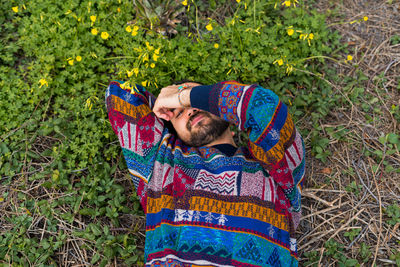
(204, 207)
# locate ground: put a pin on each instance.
(332, 208)
(346, 198)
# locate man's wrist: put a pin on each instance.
(184, 97)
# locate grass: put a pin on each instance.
(65, 195)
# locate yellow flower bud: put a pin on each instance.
(93, 18)
(94, 31)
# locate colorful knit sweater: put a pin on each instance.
(214, 206)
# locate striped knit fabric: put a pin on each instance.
(204, 206)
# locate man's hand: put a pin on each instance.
(168, 100)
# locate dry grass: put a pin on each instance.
(329, 209)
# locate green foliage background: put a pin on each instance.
(80, 156)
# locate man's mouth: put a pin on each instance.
(196, 119)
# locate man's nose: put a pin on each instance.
(192, 111)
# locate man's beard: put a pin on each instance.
(206, 131)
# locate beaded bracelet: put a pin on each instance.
(181, 88)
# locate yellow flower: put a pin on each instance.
(78, 58)
(184, 3)
(118, 9)
(93, 18)
(157, 51)
(149, 47)
(71, 62)
(349, 57)
(216, 45)
(238, 1)
(94, 31)
(365, 18)
(155, 57)
(15, 9)
(135, 30)
(286, 3)
(129, 73)
(209, 27)
(290, 30)
(311, 36)
(43, 82)
(104, 35)
(136, 71)
(152, 65)
(128, 28)
(279, 61)
(144, 83)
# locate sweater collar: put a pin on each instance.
(227, 149)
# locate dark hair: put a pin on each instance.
(170, 127)
(185, 81)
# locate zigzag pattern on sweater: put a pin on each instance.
(221, 184)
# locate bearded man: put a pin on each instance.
(207, 201)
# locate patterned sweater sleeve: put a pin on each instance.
(273, 138)
(139, 131)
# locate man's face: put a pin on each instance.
(196, 127)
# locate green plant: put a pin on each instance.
(355, 188)
(312, 258)
(395, 256)
(395, 39)
(161, 16)
(335, 250)
(352, 233)
(393, 212)
(365, 252)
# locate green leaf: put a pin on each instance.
(95, 258)
(393, 138)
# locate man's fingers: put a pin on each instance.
(163, 113)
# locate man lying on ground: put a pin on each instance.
(207, 201)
